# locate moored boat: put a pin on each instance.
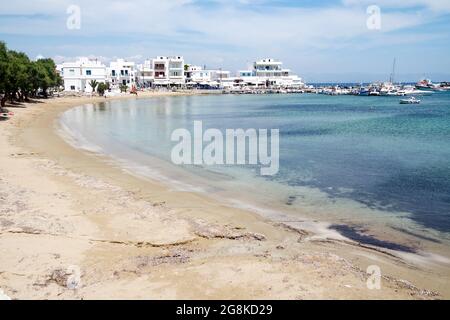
(374, 92)
(444, 86)
(425, 84)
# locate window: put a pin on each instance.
(122, 72)
(126, 72)
(89, 72)
(72, 88)
(113, 72)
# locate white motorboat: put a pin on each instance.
(411, 100)
(374, 92)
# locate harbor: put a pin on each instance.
(385, 89)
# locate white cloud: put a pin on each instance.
(227, 26)
(223, 32)
(440, 6)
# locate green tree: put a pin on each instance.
(21, 78)
(51, 79)
(16, 75)
(3, 73)
(37, 78)
(93, 84)
(123, 88)
(102, 87)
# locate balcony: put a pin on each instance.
(177, 66)
(160, 67)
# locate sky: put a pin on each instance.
(322, 41)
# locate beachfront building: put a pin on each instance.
(248, 78)
(145, 74)
(168, 71)
(212, 78)
(189, 71)
(269, 73)
(121, 72)
(77, 75)
(203, 77)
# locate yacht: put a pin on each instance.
(411, 90)
(425, 84)
(389, 89)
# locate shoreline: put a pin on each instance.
(105, 221)
(342, 221)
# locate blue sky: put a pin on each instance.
(319, 40)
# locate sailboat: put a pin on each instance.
(389, 88)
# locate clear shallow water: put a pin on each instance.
(362, 159)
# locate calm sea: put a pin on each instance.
(345, 159)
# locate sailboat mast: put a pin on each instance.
(393, 71)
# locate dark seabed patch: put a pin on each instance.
(357, 234)
(423, 192)
(419, 236)
(291, 200)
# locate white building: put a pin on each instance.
(189, 71)
(145, 74)
(78, 75)
(270, 72)
(169, 71)
(121, 72)
(208, 77)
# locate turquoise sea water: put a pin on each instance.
(345, 158)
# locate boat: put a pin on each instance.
(444, 86)
(425, 84)
(374, 92)
(410, 90)
(364, 92)
(392, 93)
(411, 100)
(389, 89)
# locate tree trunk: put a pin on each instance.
(3, 102)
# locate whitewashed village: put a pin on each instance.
(173, 73)
(162, 73)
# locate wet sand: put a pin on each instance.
(74, 225)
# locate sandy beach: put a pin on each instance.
(73, 225)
